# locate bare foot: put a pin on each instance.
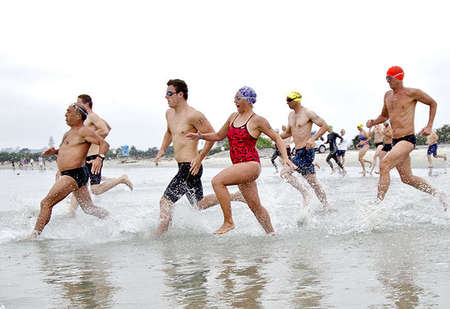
(127, 181)
(226, 227)
(443, 199)
(33, 235)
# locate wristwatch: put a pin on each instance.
(102, 156)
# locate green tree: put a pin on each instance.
(263, 142)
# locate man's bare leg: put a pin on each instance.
(62, 187)
(84, 200)
(375, 156)
(111, 183)
(73, 207)
(292, 180)
(320, 193)
(250, 193)
(211, 200)
(165, 215)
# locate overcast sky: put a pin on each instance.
(335, 53)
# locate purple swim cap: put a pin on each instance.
(248, 93)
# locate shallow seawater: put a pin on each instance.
(360, 255)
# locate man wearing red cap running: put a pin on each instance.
(399, 106)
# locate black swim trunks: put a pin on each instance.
(185, 183)
(80, 175)
(409, 138)
(387, 147)
(378, 144)
(95, 178)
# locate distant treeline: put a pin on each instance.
(443, 134)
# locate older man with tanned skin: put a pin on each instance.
(74, 175)
(99, 185)
(181, 120)
(300, 123)
(399, 106)
(432, 140)
(378, 136)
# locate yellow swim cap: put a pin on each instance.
(359, 125)
(295, 95)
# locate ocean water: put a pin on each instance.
(360, 255)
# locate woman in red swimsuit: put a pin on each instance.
(243, 129)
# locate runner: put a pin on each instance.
(99, 184)
(387, 140)
(432, 142)
(342, 147)
(378, 137)
(364, 146)
(300, 123)
(182, 119)
(70, 159)
(331, 139)
(287, 143)
(399, 106)
(243, 129)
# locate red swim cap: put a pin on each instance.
(396, 72)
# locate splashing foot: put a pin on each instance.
(226, 227)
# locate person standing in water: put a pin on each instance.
(432, 142)
(99, 185)
(378, 136)
(342, 148)
(331, 140)
(243, 129)
(364, 146)
(74, 175)
(399, 106)
(300, 122)
(182, 119)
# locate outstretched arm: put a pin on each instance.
(213, 137)
(323, 128)
(203, 126)
(167, 140)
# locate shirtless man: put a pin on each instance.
(181, 120)
(432, 140)
(378, 136)
(300, 123)
(399, 106)
(74, 175)
(102, 128)
(387, 140)
(277, 153)
(342, 147)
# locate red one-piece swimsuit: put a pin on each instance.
(242, 144)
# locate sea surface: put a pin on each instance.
(358, 255)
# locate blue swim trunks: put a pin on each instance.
(341, 153)
(304, 159)
(432, 150)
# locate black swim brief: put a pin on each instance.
(409, 138)
(95, 178)
(80, 175)
(185, 183)
(387, 147)
(378, 144)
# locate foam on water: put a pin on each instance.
(135, 214)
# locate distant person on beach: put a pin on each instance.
(399, 106)
(342, 147)
(277, 153)
(363, 147)
(300, 122)
(182, 119)
(387, 140)
(243, 129)
(378, 136)
(74, 175)
(432, 142)
(99, 185)
(331, 140)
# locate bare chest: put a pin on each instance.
(299, 122)
(179, 126)
(72, 139)
(399, 105)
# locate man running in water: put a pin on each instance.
(342, 147)
(181, 120)
(363, 147)
(387, 140)
(331, 140)
(378, 136)
(432, 140)
(399, 106)
(99, 185)
(300, 123)
(277, 153)
(74, 175)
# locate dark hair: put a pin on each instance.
(180, 86)
(86, 99)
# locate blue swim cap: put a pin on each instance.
(248, 93)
